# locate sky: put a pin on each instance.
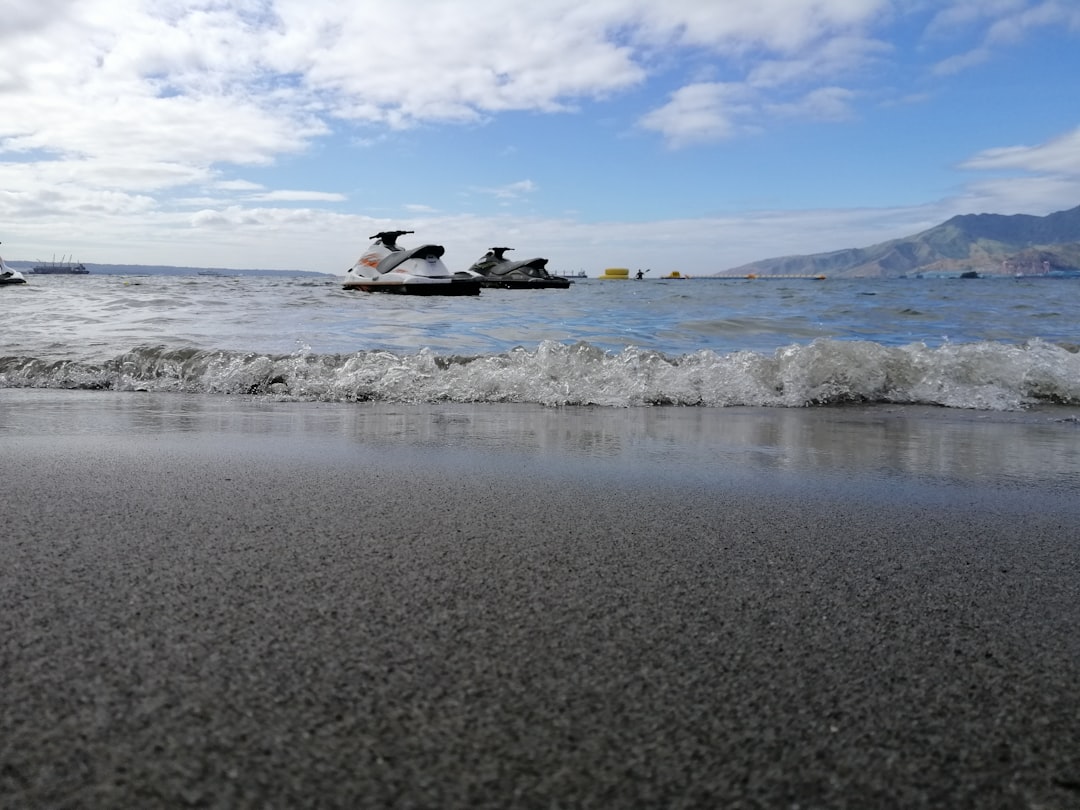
(691, 135)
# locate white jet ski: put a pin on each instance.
(388, 267)
(9, 276)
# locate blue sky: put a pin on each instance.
(695, 135)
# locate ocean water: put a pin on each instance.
(987, 344)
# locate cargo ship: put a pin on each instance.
(61, 267)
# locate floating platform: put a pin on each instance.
(616, 273)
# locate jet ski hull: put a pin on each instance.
(527, 284)
(449, 287)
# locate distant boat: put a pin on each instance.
(62, 267)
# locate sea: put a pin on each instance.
(987, 344)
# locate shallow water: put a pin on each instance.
(985, 344)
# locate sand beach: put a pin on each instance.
(230, 602)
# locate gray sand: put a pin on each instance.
(207, 602)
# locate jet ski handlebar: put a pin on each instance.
(388, 238)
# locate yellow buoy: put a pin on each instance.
(616, 272)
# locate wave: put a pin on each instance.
(980, 375)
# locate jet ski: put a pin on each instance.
(493, 269)
(9, 276)
(388, 267)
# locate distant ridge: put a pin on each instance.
(987, 244)
(169, 270)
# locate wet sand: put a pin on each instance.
(216, 602)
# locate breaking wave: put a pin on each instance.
(980, 375)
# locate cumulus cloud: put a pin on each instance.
(708, 111)
(465, 61)
(244, 82)
(165, 115)
(788, 54)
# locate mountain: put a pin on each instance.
(989, 244)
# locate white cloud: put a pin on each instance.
(1060, 156)
(244, 82)
(1016, 26)
(954, 16)
(700, 113)
(840, 56)
(466, 60)
(998, 24)
(238, 185)
(711, 111)
(775, 26)
(510, 191)
(288, 195)
(128, 117)
(1019, 195)
(822, 104)
(963, 61)
(790, 53)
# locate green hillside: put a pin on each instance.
(989, 244)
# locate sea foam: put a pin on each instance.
(981, 375)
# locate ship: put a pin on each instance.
(62, 267)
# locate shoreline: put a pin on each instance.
(212, 601)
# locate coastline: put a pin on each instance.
(213, 601)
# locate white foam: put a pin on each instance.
(981, 375)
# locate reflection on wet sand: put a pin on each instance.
(1038, 449)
